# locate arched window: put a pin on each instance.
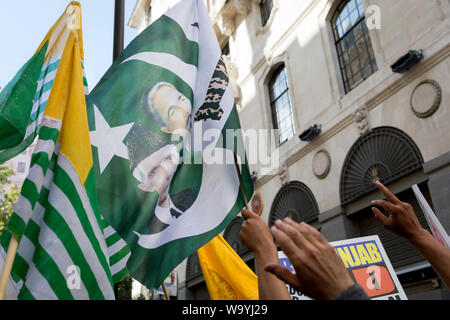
(193, 268)
(265, 7)
(232, 236)
(280, 104)
(384, 154)
(353, 44)
(296, 201)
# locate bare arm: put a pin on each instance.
(435, 253)
(403, 221)
(256, 235)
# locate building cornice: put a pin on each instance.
(403, 81)
(347, 115)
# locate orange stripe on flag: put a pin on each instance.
(67, 102)
(226, 274)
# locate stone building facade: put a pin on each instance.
(357, 91)
(21, 166)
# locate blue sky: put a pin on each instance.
(24, 23)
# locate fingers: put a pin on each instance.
(308, 231)
(294, 224)
(380, 217)
(283, 273)
(288, 246)
(247, 214)
(386, 205)
(387, 193)
(314, 232)
(292, 232)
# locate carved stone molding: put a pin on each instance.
(233, 76)
(321, 164)
(227, 15)
(426, 98)
(283, 173)
(226, 24)
(242, 6)
(361, 116)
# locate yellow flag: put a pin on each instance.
(226, 274)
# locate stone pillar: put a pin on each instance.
(335, 225)
(438, 171)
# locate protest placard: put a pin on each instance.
(367, 263)
(436, 228)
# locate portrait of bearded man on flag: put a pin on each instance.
(169, 78)
(154, 157)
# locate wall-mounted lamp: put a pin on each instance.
(310, 133)
(408, 61)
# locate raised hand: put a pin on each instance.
(319, 272)
(402, 219)
(255, 234)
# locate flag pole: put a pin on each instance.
(166, 294)
(119, 17)
(7, 266)
(238, 171)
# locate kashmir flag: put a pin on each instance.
(66, 249)
(226, 274)
(24, 98)
(435, 225)
(163, 107)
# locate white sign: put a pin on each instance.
(433, 222)
(368, 265)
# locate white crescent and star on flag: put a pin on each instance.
(109, 143)
(108, 140)
(216, 178)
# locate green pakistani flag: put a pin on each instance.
(163, 153)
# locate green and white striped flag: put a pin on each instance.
(164, 106)
(66, 249)
(23, 100)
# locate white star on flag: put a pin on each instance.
(108, 140)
